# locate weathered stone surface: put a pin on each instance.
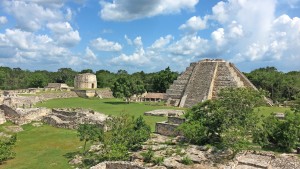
(2, 117)
(164, 112)
(85, 81)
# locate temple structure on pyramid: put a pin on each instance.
(202, 80)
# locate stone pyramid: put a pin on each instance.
(202, 80)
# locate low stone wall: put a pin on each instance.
(167, 129)
(117, 165)
(164, 112)
(85, 93)
(104, 93)
(175, 120)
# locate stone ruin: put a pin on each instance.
(22, 116)
(15, 100)
(203, 80)
(62, 118)
(169, 127)
(85, 81)
(84, 85)
(72, 118)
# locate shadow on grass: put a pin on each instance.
(116, 103)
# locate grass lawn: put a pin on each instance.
(110, 107)
(43, 147)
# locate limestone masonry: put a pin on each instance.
(85, 81)
(202, 80)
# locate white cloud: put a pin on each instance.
(69, 39)
(129, 41)
(162, 42)
(105, 45)
(125, 10)
(138, 41)
(60, 27)
(218, 37)
(190, 45)
(69, 14)
(31, 16)
(3, 20)
(194, 24)
(138, 58)
(64, 34)
(89, 54)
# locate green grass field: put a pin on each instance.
(43, 147)
(49, 147)
(110, 107)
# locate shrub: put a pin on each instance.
(186, 160)
(279, 134)
(158, 160)
(148, 155)
(6, 146)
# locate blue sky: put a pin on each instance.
(148, 35)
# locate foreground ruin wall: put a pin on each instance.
(203, 80)
(169, 128)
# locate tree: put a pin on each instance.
(89, 133)
(124, 87)
(163, 79)
(6, 146)
(66, 75)
(87, 71)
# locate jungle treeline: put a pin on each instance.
(281, 86)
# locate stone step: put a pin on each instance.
(173, 91)
(180, 82)
(174, 96)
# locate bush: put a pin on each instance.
(279, 134)
(158, 160)
(186, 160)
(148, 155)
(6, 146)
